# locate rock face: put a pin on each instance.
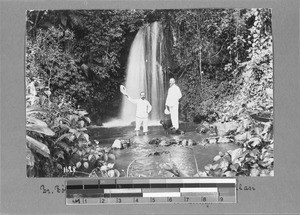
(226, 128)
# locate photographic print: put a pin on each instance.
(149, 93)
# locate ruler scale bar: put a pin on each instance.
(150, 191)
(162, 194)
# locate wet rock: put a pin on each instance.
(224, 140)
(157, 153)
(203, 128)
(184, 142)
(154, 141)
(174, 141)
(125, 144)
(204, 142)
(117, 144)
(164, 143)
(178, 131)
(212, 141)
(191, 142)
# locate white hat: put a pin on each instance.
(123, 89)
(167, 112)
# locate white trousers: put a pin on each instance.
(174, 116)
(139, 122)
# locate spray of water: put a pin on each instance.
(144, 73)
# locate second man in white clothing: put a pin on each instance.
(172, 102)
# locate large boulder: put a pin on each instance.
(117, 144)
(121, 144)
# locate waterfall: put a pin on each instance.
(144, 72)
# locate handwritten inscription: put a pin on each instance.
(241, 187)
(70, 169)
(53, 190)
(61, 189)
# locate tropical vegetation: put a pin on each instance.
(75, 61)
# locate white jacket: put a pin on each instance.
(143, 107)
(174, 94)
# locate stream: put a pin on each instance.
(144, 160)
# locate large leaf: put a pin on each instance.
(81, 123)
(224, 165)
(67, 135)
(32, 120)
(37, 146)
(111, 173)
(86, 136)
(34, 109)
(87, 119)
(74, 131)
(110, 165)
(117, 173)
(78, 164)
(40, 129)
(64, 120)
(229, 174)
(255, 141)
(235, 154)
(216, 158)
(86, 165)
(29, 157)
(112, 156)
(72, 117)
(90, 157)
(38, 126)
(234, 167)
(241, 137)
(64, 146)
(254, 172)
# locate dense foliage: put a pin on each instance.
(76, 60)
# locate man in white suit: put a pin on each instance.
(143, 108)
(172, 102)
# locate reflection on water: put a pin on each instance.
(144, 160)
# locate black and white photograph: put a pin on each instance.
(143, 93)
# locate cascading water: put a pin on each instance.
(144, 72)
